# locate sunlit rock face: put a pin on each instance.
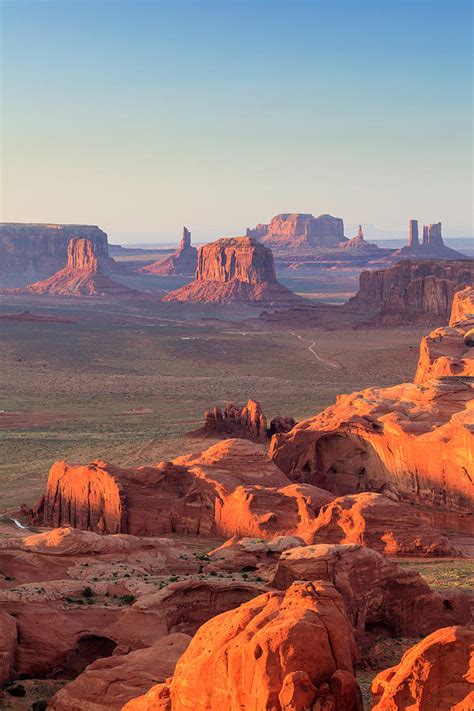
(182, 263)
(236, 269)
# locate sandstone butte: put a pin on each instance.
(270, 651)
(437, 673)
(449, 350)
(85, 274)
(430, 247)
(247, 422)
(296, 231)
(43, 249)
(412, 291)
(182, 263)
(413, 443)
(235, 269)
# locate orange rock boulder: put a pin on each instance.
(274, 650)
(463, 306)
(437, 673)
(236, 269)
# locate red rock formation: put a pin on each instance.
(242, 658)
(294, 231)
(84, 275)
(432, 246)
(376, 591)
(450, 350)
(248, 422)
(410, 442)
(386, 526)
(235, 269)
(182, 263)
(437, 673)
(43, 249)
(230, 489)
(463, 306)
(412, 291)
(8, 639)
(359, 244)
(109, 683)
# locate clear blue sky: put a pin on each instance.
(144, 115)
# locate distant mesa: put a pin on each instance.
(182, 263)
(431, 246)
(42, 249)
(236, 269)
(412, 291)
(84, 275)
(297, 230)
(35, 318)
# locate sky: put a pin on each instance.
(145, 115)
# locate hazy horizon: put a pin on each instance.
(219, 115)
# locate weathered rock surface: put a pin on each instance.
(375, 521)
(250, 554)
(182, 263)
(449, 350)
(378, 593)
(432, 246)
(358, 244)
(242, 659)
(84, 275)
(8, 638)
(413, 443)
(109, 683)
(296, 230)
(437, 673)
(234, 269)
(41, 250)
(232, 488)
(247, 422)
(412, 291)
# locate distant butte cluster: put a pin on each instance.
(431, 247)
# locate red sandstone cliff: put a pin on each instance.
(84, 275)
(297, 231)
(234, 269)
(41, 250)
(412, 291)
(182, 263)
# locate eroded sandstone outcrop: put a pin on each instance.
(85, 274)
(243, 658)
(234, 269)
(431, 246)
(449, 350)
(182, 263)
(295, 231)
(40, 249)
(109, 683)
(247, 422)
(232, 488)
(376, 591)
(438, 672)
(412, 291)
(413, 443)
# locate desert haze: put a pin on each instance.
(237, 462)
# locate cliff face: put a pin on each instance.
(412, 291)
(43, 249)
(297, 231)
(181, 263)
(234, 269)
(84, 275)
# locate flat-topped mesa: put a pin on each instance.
(181, 263)
(234, 269)
(84, 275)
(43, 249)
(432, 246)
(412, 291)
(297, 230)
